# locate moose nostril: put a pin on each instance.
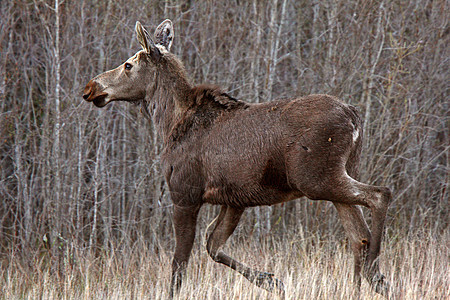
(89, 90)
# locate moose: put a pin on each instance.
(228, 152)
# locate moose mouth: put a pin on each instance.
(92, 94)
(100, 100)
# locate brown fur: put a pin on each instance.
(227, 152)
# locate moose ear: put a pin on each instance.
(164, 34)
(143, 37)
(145, 40)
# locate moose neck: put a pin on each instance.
(168, 97)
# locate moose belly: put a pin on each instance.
(246, 196)
(249, 185)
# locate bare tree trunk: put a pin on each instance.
(3, 74)
(331, 53)
(23, 202)
(97, 185)
(57, 132)
(371, 77)
(270, 64)
(315, 27)
(124, 195)
(78, 196)
(256, 65)
(77, 201)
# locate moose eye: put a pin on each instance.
(128, 66)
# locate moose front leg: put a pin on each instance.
(185, 221)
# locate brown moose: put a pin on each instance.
(223, 151)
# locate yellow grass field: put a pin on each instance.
(311, 268)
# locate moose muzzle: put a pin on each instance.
(93, 92)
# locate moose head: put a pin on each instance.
(129, 81)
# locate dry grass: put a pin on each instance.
(310, 269)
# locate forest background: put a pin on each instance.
(78, 182)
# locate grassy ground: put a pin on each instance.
(312, 268)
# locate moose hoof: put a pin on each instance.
(380, 284)
(268, 282)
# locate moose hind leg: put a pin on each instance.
(185, 220)
(225, 225)
(358, 234)
(377, 199)
(372, 273)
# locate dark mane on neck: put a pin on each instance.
(207, 103)
(213, 97)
